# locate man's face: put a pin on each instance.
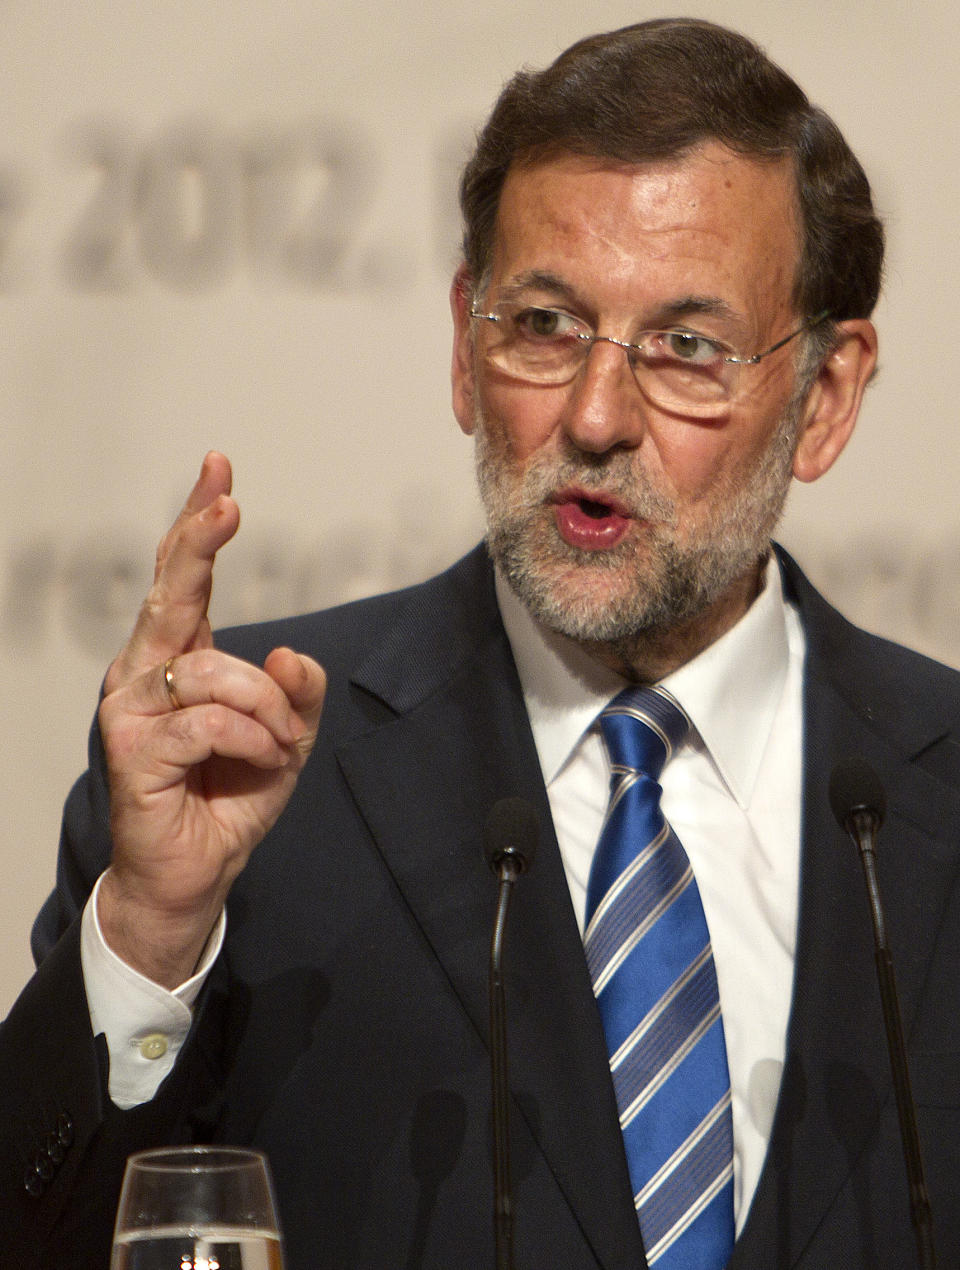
(610, 515)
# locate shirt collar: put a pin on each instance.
(730, 691)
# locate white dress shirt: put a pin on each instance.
(731, 792)
(144, 1024)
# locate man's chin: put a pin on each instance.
(584, 601)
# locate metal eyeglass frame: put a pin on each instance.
(733, 360)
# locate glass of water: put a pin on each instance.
(197, 1208)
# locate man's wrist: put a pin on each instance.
(164, 948)
(145, 1025)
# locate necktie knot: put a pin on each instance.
(641, 728)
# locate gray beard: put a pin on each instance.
(654, 584)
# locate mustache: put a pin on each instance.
(614, 475)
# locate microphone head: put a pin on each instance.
(855, 787)
(512, 830)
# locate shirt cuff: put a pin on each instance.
(145, 1025)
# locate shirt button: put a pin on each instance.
(154, 1045)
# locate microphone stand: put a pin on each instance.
(862, 826)
(509, 847)
(508, 868)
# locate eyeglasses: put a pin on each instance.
(678, 369)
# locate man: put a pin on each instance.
(662, 316)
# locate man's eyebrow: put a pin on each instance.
(540, 280)
(667, 314)
(697, 306)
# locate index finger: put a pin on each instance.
(215, 479)
(173, 617)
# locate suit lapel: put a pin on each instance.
(837, 1075)
(425, 782)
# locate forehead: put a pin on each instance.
(712, 225)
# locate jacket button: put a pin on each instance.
(64, 1129)
(33, 1183)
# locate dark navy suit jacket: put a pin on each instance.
(344, 1028)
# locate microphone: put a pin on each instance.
(859, 804)
(510, 836)
(509, 846)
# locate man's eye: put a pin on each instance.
(545, 323)
(686, 346)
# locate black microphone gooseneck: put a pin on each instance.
(859, 803)
(509, 845)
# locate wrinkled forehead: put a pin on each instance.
(728, 212)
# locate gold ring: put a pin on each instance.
(171, 686)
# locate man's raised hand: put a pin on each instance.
(203, 749)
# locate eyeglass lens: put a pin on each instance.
(673, 368)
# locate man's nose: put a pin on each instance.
(606, 407)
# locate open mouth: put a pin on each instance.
(596, 511)
(591, 524)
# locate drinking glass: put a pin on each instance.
(196, 1208)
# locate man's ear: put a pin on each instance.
(833, 403)
(462, 374)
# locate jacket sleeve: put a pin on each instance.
(63, 1144)
(84, 851)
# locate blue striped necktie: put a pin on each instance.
(648, 949)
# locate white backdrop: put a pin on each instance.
(233, 225)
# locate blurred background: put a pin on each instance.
(233, 226)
